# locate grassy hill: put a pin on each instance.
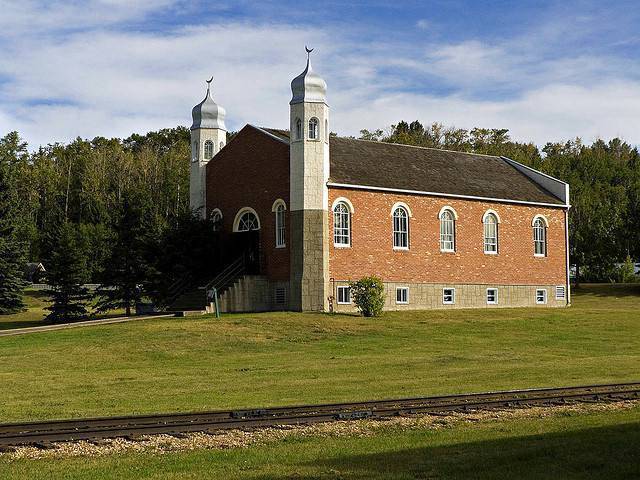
(288, 358)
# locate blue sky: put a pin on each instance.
(547, 70)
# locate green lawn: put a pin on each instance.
(596, 445)
(34, 315)
(36, 301)
(288, 358)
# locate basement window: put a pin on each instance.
(344, 295)
(448, 296)
(280, 296)
(541, 296)
(402, 295)
(492, 296)
(561, 292)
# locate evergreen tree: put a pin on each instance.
(67, 273)
(12, 252)
(126, 270)
(189, 250)
(12, 284)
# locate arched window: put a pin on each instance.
(216, 219)
(279, 209)
(221, 145)
(248, 222)
(194, 152)
(298, 129)
(326, 130)
(341, 225)
(490, 233)
(539, 237)
(400, 228)
(314, 134)
(208, 150)
(447, 231)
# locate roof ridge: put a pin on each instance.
(421, 147)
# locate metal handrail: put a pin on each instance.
(177, 288)
(230, 271)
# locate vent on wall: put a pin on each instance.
(280, 296)
(561, 292)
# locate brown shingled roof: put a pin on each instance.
(405, 167)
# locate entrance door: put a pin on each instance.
(246, 241)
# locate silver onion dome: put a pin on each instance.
(308, 86)
(208, 114)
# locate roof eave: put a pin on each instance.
(445, 195)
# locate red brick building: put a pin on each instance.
(308, 212)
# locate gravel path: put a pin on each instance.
(62, 326)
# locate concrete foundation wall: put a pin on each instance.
(255, 293)
(424, 296)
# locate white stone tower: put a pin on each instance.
(309, 174)
(208, 136)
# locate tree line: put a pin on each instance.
(116, 211)
(108, 211)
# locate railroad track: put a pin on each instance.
(43, 434)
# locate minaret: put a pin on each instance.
(208, 136)
(309, 174)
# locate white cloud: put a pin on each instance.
(423, 24)
(110, 82)
(552, 113)
(33, 17)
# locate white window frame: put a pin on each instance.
(487, 243)
(402, 291)
(539, 226)
(444, 242)
(243, 211)
(194, 154)
(314, 129)
(562, 288)
(216, 219)
(495, 296)
(343, 288)
(544, 296)
(299, 129)
(340, 238)
(209, 148)
(453, 296)
(397, 232)
(280, 213)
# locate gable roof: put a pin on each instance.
(391, 166)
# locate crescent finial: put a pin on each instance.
(210, 80)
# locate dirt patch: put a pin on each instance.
(242, 439)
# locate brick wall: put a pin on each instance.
(253, 171)
(371, 250)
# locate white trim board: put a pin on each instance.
(439, 194)
(269, 134)
(554, 186)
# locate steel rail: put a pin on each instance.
(44, 433)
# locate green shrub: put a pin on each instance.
(627, 271)
(368, 295)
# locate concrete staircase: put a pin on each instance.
(191, 302)
(199, 300)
